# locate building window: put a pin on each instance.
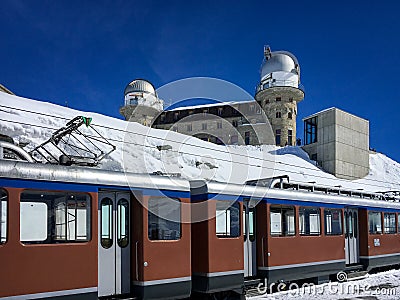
(290, 137)
(247, 137)
(278, 137)
(375, 222)
(164, 219)
(310, 130)
(290, 99)
(278, 99)
(290, 115)
(189, 127)
(389, 222)
(278, 114)
(282, 220)
(3, 216)
(333, 221)
(309, 221)
(162, 117)
(54, 217)
(234, 139)
(235, 123)
(204, 126)
(176, 116)
(227, 219)
(205, 112)
(219, 111)
(219, 125)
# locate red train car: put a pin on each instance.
(84, 233)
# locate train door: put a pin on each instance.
(249, 233)
(351, 236)
(114, 243)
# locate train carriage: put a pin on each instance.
(85, 233)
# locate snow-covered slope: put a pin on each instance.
(33, 121)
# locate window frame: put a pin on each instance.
(284, 229)
(369, 220)
(239, 226)
(332, 233)
(149, 213)
(304, 208)
(63, 196)
(392, 229)
(4, 229)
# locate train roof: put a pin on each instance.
(90, 176)
(293, 193)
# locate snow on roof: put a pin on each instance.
(228, 103)
(30, 121)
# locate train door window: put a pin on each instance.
(54, 217)
(123, 223)
(3, 216)
(389, 223)
(282, 220)
(351, 224)
(375, 222)
(227, 219)
(309, 221)
(355, 223)
(106, 208)
(164, 219)
(252, 224)
(243, 224)
(333, 221)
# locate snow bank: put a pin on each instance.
(30, 121)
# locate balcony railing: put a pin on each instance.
(280, 83)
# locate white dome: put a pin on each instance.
(140, 86)
(280, 61)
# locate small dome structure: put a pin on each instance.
(280, 61)
(140, 86)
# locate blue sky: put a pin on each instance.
(85, 52)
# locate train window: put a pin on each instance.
(398, 223)
(389, 223)
(282, 220)
(123, 223)
(375, 222)
(333, 221)
(3, 216)
(106, 208)
(309, 221)
(54, 217)
(227, 219)
(164, 219)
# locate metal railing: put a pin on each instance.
(279, 83)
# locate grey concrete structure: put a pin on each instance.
(339, 142)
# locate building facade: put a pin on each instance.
(270, 118)
(339, 142)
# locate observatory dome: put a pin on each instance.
(140, 86)
(280, 61)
